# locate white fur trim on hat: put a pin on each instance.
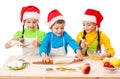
(31, 15)
(54, 20)
(90, 18)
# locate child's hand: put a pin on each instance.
(35, 43)
(79, 58)
(45, 58)
(13, 42)
(7, 45)
(83, 44)
(79, 54)
(105, 54)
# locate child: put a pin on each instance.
(55, 43)
(30, 37)
(92, 39)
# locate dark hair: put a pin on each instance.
(98, 46)
(59, 22)
(84, 34)
(83, 37)
(22, 40)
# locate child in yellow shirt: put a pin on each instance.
(91, 39)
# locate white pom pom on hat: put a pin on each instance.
(92, 15)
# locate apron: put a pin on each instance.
(57, 51)
(92, 48)
(28, 49)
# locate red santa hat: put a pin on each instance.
(30, 12)
(53, 16)
(93, 16)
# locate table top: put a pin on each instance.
(38, 71)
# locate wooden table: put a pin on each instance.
(37, 71)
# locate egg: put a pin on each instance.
(19, 64)
(13, 65)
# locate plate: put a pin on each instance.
(18, 68)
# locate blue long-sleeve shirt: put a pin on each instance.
(57, 41)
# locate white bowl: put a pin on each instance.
(110, 68)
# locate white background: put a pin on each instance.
(72, 11)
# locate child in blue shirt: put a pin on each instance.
(55, 42)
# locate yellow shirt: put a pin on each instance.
(91, 38)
